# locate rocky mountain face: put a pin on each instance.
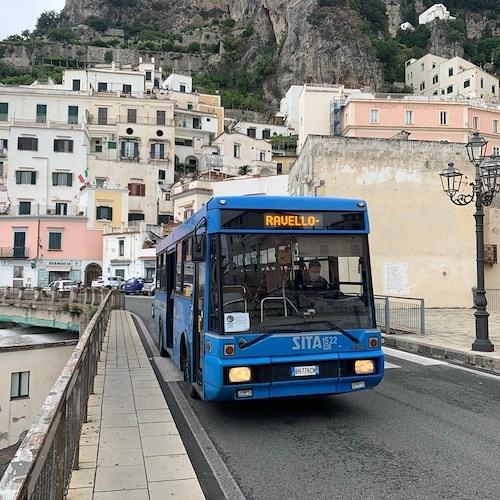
(258, 48)
(337, 51)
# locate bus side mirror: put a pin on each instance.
(198, 250)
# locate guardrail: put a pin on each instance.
(43, 464)
(400, 314)
(493, 299)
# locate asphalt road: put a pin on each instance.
(428, 431)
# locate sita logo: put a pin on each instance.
(314, 342)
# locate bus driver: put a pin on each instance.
(312, 278)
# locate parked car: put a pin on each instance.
(148, 287)
(62, 286)
(108, 282)
(134, 286)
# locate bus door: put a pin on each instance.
(198, 334)
(169, 313)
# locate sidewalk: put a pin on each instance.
(449, 334)
(130, 446)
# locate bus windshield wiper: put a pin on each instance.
(333, 326)
(243, 344)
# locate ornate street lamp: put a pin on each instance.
(484, 188)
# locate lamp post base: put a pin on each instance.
(483, 345)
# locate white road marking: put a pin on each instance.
(388, 365)
(414, 358)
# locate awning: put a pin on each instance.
(61, 269)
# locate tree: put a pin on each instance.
(47, 20)
(244, 170)
(108, 57)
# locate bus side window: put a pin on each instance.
(214, 324)
(178, 274)
(188, 269)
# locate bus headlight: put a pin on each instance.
(240, 374)
(364, 367)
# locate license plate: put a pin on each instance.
(304, 371)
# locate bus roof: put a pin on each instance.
(262, 202)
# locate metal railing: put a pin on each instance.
(493, 299)
(42, 466)
(14, 252)
(405, 314)
(60, 210)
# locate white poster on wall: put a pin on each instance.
(396, 278)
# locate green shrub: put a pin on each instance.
(108, 57)
(92, 310)
(97, 23)
(193, 48)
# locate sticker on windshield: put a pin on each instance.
(236, 322)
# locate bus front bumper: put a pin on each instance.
(273, 377)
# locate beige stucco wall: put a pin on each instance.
(45, 365)
(414, 226)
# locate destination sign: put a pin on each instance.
(292, 221)
(300, 221)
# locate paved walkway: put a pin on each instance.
(130, 447)
(449, 335)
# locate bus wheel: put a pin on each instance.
(186, 369)
(163, 351)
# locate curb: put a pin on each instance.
(455, 356)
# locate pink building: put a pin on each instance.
(420, 118)
(35, 250)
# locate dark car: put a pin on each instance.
(134, 285)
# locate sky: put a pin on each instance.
(20, 15)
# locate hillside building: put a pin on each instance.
(434, 75)
(436, 11)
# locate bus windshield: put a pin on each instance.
(306, 282)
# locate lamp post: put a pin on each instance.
(484, 188)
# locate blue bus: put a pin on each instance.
(269, 296)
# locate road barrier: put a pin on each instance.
(42, 466)
(405, 314)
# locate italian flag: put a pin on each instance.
(83, 177)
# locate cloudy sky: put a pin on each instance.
(20, 15)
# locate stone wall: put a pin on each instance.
(415, 230)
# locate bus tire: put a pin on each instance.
(186, 366)
(161, 349)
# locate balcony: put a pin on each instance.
(145, 120)
(49, 210)
(14, 252)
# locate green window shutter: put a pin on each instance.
(54, 179)
(136, 150)
(111, 144)
(69, 179)
(33, 177)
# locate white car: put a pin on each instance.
(108, 282)
(62, 286)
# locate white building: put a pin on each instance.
(289, 107)
(274, 185)
(406, 26)
(259, 130)
(239, 150)
(129, 251)
(437, 11)
(178, 83)
(31, 363)
(434, 75)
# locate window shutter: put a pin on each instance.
(70, 146)
(98, 213)
(143, 190)
(54, 179)
(122, 149)
(18, 177)
(162, 150)
(33, 176)
(110, 212)
(69, 179)
(152, 150)
(20, 144)
(130, 189)
(136, 150)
